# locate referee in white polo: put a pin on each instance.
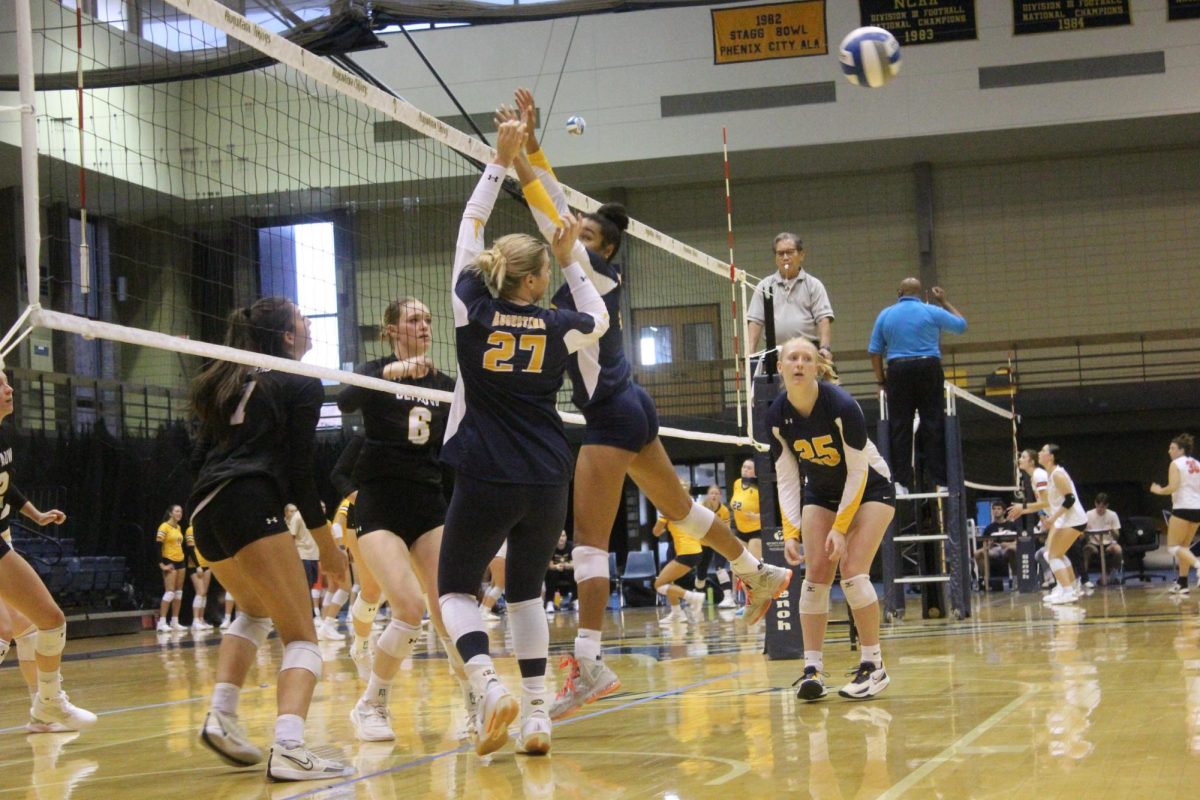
(908, 336)
(801, 303)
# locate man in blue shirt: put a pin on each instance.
(907, 335)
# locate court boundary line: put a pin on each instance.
(908, 781)
(463, 748)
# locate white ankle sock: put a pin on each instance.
(587, 644)
(378, 690)
(873, 653)
(745, 564)
(289, 730)
(225, 698)
(49, 684)
(815, 658)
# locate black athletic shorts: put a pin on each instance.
(4, 547)
(627, 420)
(408, 509)
(242, 512)
(746, 538)
(176, 564)
(877, 491)
(691, 560)
(1186, 514)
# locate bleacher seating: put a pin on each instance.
(74, 580)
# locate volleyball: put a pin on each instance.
(575, 125)
(870, 57)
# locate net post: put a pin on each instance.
(959, 556)
(30, 192)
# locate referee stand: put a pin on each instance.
(927, 544)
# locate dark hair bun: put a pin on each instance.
(616, 214)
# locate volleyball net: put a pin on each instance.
(200, 160)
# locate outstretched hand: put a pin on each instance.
(509, 140)
(565, 236)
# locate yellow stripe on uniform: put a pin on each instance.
(842, 523)
(540, 161)
(539, 199)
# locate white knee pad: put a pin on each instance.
(859, 591)
(590, 562)
(1174, 550)
(339, 598)
(663, 589)
(51, 641)
(364, 611)
(199, 601)
(253, 629)
(302, 655)
(168, 597)
(697, 522)
(814, 598)
(493, 592)
(229, 597)
(723, 576)
(397, 639)
(316, 594)
(26, 646)
(1057, 564)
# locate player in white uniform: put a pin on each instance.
(1183, 484)
(1065, 523)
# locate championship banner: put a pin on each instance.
(1046, 16)
(777, 30)
(1183, 9)
(925, 22)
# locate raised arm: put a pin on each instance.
(510, 139)
(587, 300)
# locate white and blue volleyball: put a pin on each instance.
(870, 57)
(575, 125)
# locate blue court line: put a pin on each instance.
(465, 748)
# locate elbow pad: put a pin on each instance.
(1068, 501)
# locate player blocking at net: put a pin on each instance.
(505, 441)
(836, 488)
(620, 438)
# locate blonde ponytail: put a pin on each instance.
(508, 261)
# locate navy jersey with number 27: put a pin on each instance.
(504, 425)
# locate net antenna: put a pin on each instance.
(295, 136)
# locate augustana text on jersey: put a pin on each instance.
(517, 321)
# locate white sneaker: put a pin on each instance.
(163, 626)
(360, 654)
(675, 616)
(868, 681)
(1067, 596)
(298, 763)
(727, 601)
(175, 626)
(200, 626)
(812, 685)
(693, 607)
(494, 711)
(57, 715)
(767, 583)
(534, 736)
(488, 615)
(587, 681)
(550, 607)
(223, 734)
(1089, 585)
(226, 623)
(466, 732)
(1177, 589)
(327, 631)
(372, 722)
(1054, 594)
